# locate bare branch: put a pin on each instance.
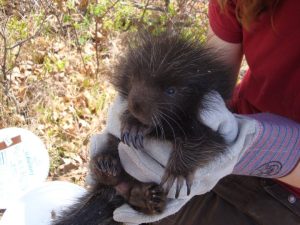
(150, 7)
(13, 98)
(96, 46)
(78, 46)
(144, 11)
(107, 11)
(3, 66)
(20, 43)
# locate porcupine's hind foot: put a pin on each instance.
(148, 198)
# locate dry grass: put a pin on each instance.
(59, 101)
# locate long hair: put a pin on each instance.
(247, 11)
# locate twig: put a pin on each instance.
(109, 8)
(167, 3)
(3, 66)
(96, 40)
(144, 11)
(13, 98)
(20, 43)
(150, 7)
(51, 10)
(78, 45)
(14, 64)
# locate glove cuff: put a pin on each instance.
(274, 151)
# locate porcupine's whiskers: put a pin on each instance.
(164, 106)
(169, 119)
(164, 118)
(122, 92)
(158, 124)
(153, 119)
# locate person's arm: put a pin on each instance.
(293, 178)
(231, 53)
(274, 150)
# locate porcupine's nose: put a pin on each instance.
(138, 105)
(139, 109)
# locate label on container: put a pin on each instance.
(24, 163)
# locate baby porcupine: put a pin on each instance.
(164, 79)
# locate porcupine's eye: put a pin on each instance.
(171, 91)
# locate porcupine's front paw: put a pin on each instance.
(133, 131)
(175, 173)
(148, 198)
(106, 168)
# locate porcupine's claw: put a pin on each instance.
(108, 165)
(133, 136)
(140, 140)
(133, 133)
(125, 138)
(169, 178)
(167, 182)
(179, 185)
(189, 182)
(106, 168)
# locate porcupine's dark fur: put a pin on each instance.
(164, 79)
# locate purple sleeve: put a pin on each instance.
(275, 150)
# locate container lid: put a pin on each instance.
(24, 163)
(39, 205)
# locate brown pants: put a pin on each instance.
(239, 200)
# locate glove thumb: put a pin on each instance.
(216, 116)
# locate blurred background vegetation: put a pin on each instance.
(55, 60)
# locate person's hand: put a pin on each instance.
(148, 165)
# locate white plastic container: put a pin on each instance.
(38, 206)
(24, 163)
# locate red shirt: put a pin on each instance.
(272, 83)
(272, 49)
